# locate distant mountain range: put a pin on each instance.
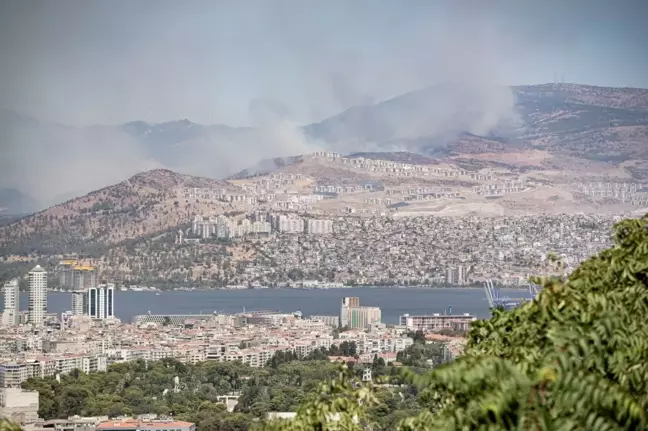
(50, 161)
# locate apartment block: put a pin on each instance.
(10, 314)
(437, 322)
(319, 227)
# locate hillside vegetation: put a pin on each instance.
(142, 205)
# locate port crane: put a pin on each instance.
(496, 300)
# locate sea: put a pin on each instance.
(393, 302)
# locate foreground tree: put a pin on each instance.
(6, 425)
(574, 359)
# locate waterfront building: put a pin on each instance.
(347, 302)
(172, 319)
(437, 322)
(79, 303)
(10, 313)
(353, 316)
(101, 301)
(37, 296)
(363, 317)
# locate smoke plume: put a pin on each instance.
(349, 76)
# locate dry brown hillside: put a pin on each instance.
(147, 203)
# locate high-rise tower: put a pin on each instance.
(37, 296)
(101, 301)
(79, 303)
(11, 302)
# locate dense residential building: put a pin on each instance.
(363, 317)
(101, 301)
(437, 322)
(10, 313)
(353, 316)
(222, 227)
(289, 224)
(37, 296)
(347, 303)
(456, 276)
(13, 374)
(315, 226)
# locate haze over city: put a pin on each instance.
(284, 215)
(228, 62)
(275, 67)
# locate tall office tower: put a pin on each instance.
(79, 303)
(347, 302)
(37, 296)
(101, 301)
(11, 302)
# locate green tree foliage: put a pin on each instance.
(6, 425)
(421, 355)
(576, 358)
(137, 388)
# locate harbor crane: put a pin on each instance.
(496, 300)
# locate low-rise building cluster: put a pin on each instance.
(499, 189)
(433, 250)
(223, 227)
(631, 193)
(400, 168)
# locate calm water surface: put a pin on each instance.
(393, 302)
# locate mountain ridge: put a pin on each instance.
(588, 122)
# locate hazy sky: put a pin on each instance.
(87, 62)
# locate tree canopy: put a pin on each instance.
(576, 358)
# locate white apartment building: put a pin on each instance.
(13, 374)
(437, 322)
(290, 224)
(37, 296)
(224, 228)
(11, 303)
(319, 227)
(79, 305)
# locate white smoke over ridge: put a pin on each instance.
(330, 75)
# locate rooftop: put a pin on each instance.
(138, 424)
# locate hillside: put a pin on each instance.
(146, 203)
(570, 121)
(600, 123)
